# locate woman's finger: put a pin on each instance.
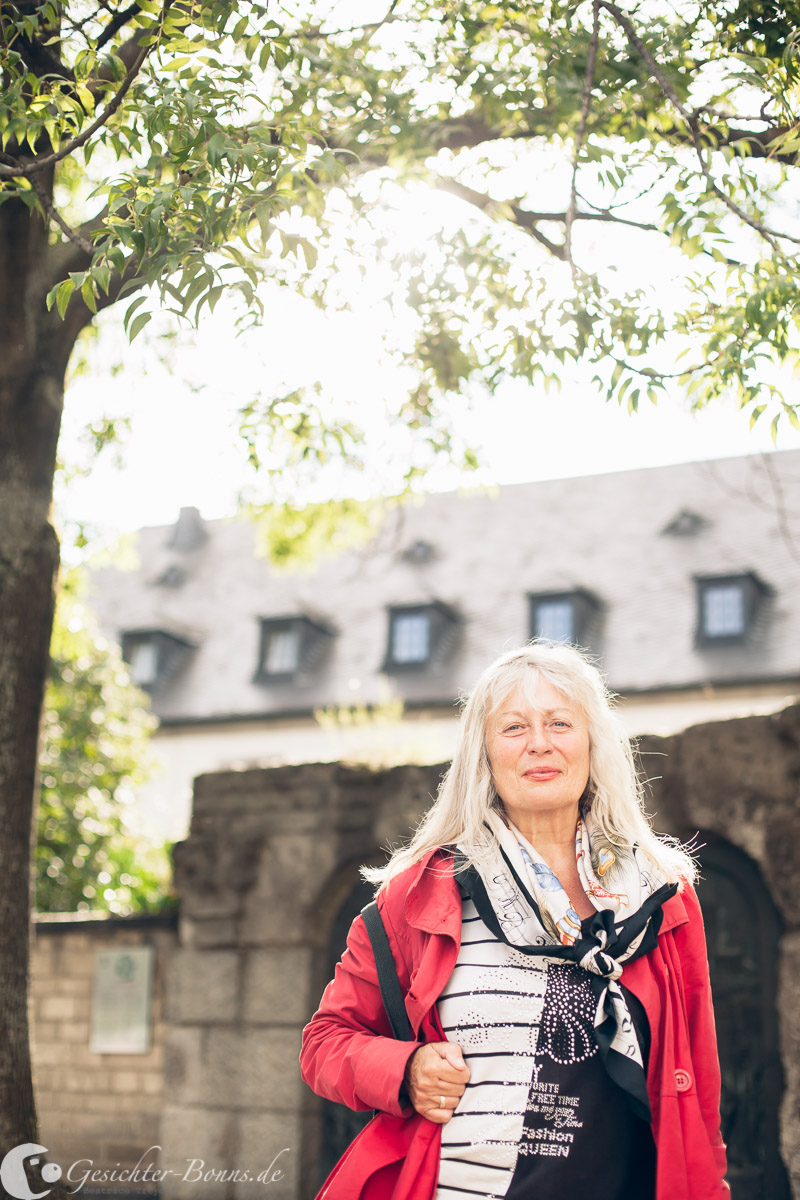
(433, 1084)
(441, 1114)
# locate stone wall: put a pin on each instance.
(272, 856)
(266, 877)
(739, 781)
(102, 1107)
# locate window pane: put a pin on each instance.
(723, 610)
(281, 653)
(555, 620)
(410, 637)
(144, 663)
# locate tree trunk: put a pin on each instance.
(33, 358)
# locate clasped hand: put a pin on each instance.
(435, 1079)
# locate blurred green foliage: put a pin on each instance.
(96, 729)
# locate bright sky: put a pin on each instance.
(182, 448)
(183, 397)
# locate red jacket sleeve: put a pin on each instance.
(691, 944)
(348, 1052)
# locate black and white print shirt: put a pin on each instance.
(540, 1116)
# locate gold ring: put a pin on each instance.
(442, 1102)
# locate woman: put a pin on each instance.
(551, 951)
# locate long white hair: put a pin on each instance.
(614, 793)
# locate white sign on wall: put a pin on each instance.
(122, 1001)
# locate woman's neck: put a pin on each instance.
(553, 838)
(551, 834)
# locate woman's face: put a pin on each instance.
(539, 754)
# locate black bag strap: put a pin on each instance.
(391, 991)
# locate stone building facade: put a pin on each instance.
(683, 581)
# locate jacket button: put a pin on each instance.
(683, 1080)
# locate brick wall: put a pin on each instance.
(103, 1107)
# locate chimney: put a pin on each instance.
(189, 530)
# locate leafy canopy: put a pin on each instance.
(588, 149)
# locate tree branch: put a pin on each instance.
(526, 220)
(622, 20)
(526, 217)
(368, 29)
(588, 84)
(651, 373)
(115, 24)
(30, 167)
(758, 140)
(54, 215)
(41, 60)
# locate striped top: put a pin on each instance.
(525, 1027)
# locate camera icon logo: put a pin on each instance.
(12, 1171)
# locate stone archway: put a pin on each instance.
(267, 879)
(734, 785)
(743, 930)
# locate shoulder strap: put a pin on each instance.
(391, 992)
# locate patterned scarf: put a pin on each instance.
(523, 904)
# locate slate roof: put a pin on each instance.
(635, 540)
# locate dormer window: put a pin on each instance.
(419, 552)
(562, 616)
(726, 608)
(288, 645)
(153, 655)
(143, 656)
(418, 633)
(411, 637)
(685, 524)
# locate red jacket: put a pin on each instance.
(349, 1054)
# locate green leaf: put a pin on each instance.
(309, 253)
(282, 55)
(63, 291)
(102, 277)
(87, 292)
(214, 148)
(137, 303)
(85, 96)
(138, 324)
(62, 297)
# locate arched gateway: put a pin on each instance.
(268, 881)
(743, 930)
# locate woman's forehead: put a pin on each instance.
(538, 694)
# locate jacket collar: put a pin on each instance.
(674, 913)
(433, 901)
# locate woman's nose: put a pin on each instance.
(539, 739)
